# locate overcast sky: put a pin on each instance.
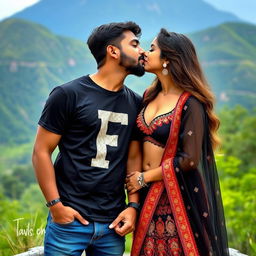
(244, 9)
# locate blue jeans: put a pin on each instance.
(73, 238)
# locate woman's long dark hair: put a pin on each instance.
(186, 73)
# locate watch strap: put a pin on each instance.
(134, 205)
(53, 202)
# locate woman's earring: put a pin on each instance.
(165, 70)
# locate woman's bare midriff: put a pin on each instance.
(152, 155)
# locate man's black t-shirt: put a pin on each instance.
(96, 127)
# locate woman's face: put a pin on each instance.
(153, 62)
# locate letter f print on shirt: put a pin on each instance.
(103, 139)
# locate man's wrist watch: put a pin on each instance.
(53, 202)
(134, 205)
(141, 180)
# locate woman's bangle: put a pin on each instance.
(141, 180)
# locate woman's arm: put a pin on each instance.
(149, 176)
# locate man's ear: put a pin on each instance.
(113, 51)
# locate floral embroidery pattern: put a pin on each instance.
(162, 236)
(157, 121)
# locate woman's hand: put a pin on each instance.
(131, 181)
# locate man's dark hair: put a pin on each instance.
(109, 34)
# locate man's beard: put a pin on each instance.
(131, 66)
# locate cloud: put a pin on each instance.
(154, 7)
(10, 7)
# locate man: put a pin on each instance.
(91, 120)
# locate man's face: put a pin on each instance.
(132, 54)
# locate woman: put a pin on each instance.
(182, 212)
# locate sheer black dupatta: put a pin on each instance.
(197, 176)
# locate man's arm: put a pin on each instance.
(129, 215)
(45, 144)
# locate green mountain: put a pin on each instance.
(33, 60)
(228, 56)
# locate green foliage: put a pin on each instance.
(22, 222)
(237, 170)
(14, 155)
(238, 134)
(128, 242)
(239, 198)
(15, 181)
(33, 200)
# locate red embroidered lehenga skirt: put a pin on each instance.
(162, 237)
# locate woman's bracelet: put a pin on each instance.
(141, 180)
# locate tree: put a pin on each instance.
(239, 198)
(238, 134)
